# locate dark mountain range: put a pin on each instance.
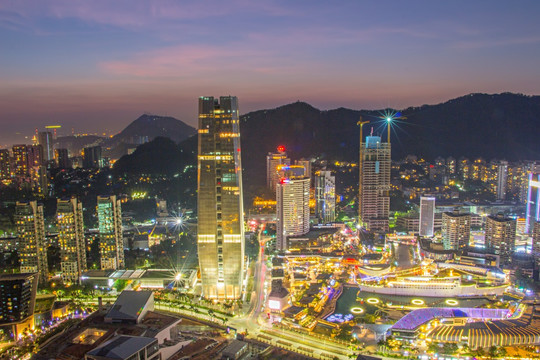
(144, 129)
(503, 126)
(148, 127)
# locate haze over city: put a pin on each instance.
(96, 66)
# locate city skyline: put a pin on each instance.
(106, 64)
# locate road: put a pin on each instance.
(403, 255)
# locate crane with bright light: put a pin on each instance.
(389, 116)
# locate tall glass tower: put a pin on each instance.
(111, 242)
(220, 237)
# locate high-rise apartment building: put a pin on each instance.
(456, 230)
(501, 236)
(374, 184)
(69, 215)
(220, 237)
(533, 201)
(20, 160)
(5, 164)
(427, 216)
(111, 242)
(325, 196)
(274, 161)
(35, 155)
(32, 249)
(17, 301)
(45, 139)
(292, 209)
(92, 157)
(306, 164)
(62, 158)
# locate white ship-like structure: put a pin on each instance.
(437, 281)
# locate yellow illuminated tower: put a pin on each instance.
(69, 216)
(111, 243)
(220, 237)
(32, 242)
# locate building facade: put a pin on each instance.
(501, 236)
(32, 249)
(456, 230)
(45, 139)
(292, 209)
(427, 216)
(111, 242)
(533, 201)
(220, 237)
(375, 184)
(273, 163)
(17, 301)
(325, 196)
(69, 216)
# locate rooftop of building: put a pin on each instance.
(234, 347)
(279, 292)
(129, 304)
(122, 347)
(17, 276)
(418, 317)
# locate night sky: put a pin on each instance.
(97, 65)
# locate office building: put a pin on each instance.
(292, 209)
(325, 196)
(69, 215)
(533, 201)
(32, 250)
(375, 165)
(111, 243)
(220, 237)
(20, 160)
(5, 164)
(62, 158)
(501, 236)
(45, 139)
(274, 161)
(92, 157)
(427, 216)
(456, 230)
(17, 301)
(502, 179)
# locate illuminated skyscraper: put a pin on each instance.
(456, 230)
(5, 164)
(375, 184)
(273, 162)
(427, 215)
(69, 215)
(32, 248)
(325, 196)
(20, 160)
(17, 301)
(111, 242)
(533, 201)
(501, 236)
(220, 237)
(292, 209)
(45, 139)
